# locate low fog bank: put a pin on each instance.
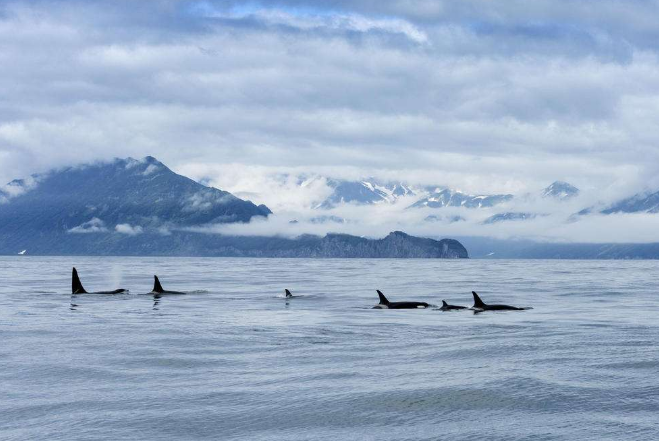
(615, 228)
(295, 195)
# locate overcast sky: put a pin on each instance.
(481, 95)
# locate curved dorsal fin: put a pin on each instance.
(383, 299)
(157, 287)
(478, 303)
(288, 293)
(444, 303)
(76, 285)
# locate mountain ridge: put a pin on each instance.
(141, 207)
(180, 243)
(371, 191)
(143, 192)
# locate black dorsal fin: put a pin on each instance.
(288, 293)
(383, 299)
(76, 286)
(444, 303)
(157, 287)
(478, 303)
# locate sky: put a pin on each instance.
(479, 95)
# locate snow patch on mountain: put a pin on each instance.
(445, 197)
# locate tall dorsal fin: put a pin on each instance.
(288, 293)
(157, 287)
(383, 299)
(444, 303)
(478, 303)
(76, 286)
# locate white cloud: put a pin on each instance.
(95, 225)
(316, 21)
(619, 228)
(205, 200)
(482, 97)
(17, 188)
(151, 168)
(128, 229)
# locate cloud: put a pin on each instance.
(550, 220)
(151, 168)
(316, 21)
(205, 200)
(17, 188)
(480, 96)
(281, 189)
(128, 229)
(619, 228)
(95, 225)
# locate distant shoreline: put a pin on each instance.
(480, 258)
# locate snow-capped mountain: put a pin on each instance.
(363, 193)
(444, 197)
(370, 191)
(560, 190)
(373, 192)
(503, 207)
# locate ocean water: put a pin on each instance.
(235, 360)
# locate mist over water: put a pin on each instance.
(235, 360)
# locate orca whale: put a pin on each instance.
(77, 288)
(447, 307)
(479, 305)
(386, 304)
(157, 288)
(290, 295)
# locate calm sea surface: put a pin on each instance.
(236, 361)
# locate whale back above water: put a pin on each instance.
(447, 307)
(77, 288)
(386, 304)
(481, 305)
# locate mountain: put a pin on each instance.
(560, 190)
(640, 203)
(363, 193)
(396, 244)
(125, 197)
(370, 191)
(185, 243)
(646, 202)
(444, 197)
(141, 207)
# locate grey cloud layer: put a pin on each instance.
(473, 94)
